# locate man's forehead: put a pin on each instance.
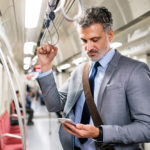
(92, 28)
(91, 31)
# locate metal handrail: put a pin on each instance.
(62, 4)
(16, 116)
(2, 57)
(80, 5)
(50, 16)
(10, 135)
(16, 75)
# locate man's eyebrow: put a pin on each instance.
(97, 37)
(83, 39)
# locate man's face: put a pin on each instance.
(18, 95)
(30, 93)
(95, 40)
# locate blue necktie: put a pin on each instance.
(85, 113)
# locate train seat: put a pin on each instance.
(7, 142)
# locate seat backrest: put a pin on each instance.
(12, 107)
(6, 122)
(2, 142)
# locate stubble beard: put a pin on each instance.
(99, 56)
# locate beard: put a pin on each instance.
(98, 56)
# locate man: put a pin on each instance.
(121, 90)
(14, 120)
(29, 109)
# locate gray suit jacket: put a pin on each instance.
(123, 102)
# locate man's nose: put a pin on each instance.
(89, 46)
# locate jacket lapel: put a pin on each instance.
(74, 96)
(108, 74)
(70, 105)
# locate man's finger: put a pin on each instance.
(48, 49)
(69, 130)
(81, 133)
(82, 127)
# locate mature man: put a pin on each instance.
(121, 90)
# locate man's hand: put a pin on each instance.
(46, 53)
(81, 130)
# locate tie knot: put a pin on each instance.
(96, 65)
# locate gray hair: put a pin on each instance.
(99, 15)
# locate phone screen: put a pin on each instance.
(63, 120)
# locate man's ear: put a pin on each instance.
(110, 35)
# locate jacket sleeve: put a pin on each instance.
(54, 99)
(138, 97)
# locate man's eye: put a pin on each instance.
(84, 41)
(95, 40)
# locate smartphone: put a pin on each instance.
(63, 120)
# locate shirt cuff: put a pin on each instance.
(41, 75)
